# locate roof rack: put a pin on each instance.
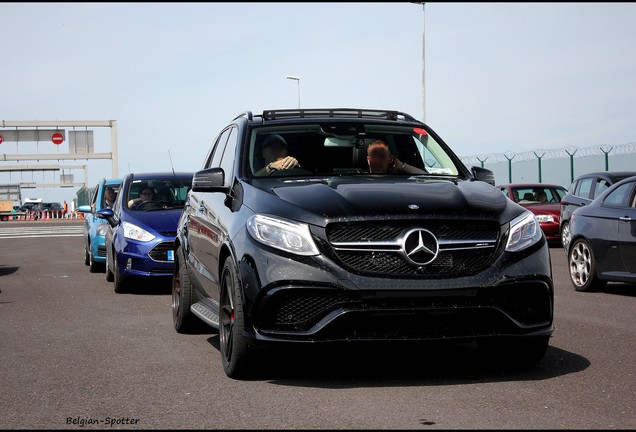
(336, 112)
(247, 114)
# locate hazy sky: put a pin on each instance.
(499, 77)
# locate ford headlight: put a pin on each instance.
(282, 234)
(134, 232)
(524, 232)
(102, 229)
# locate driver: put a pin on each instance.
(147, 194)
(275, 155)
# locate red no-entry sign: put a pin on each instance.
(57, 138)
(0, 139)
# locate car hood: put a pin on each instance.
(371, 197)
(160, 221)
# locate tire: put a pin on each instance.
(118, 278)
(582, 265)
(513, 352)
(110, 277)
(94, 267)
(87, 258)
(565, 236)
(236, 352)
(182, 296)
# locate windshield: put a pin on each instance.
(339, 149)
(158, 194)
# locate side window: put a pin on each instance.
(219, 146)
(227, 161)
(601, 185)
(94, 198)
(117, 204)
(585, 188)
(573, 188)
(112, 191)
(619, 197)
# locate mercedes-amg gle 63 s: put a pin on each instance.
(355, 225)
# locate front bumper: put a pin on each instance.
(314, 300)
(521, 307)
(154, 259)
(99, 249)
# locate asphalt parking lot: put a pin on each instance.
(76, 355)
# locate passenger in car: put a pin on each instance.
(109, 197)
(528, 196)
(147, 194)
(382, 162)
(275, 155)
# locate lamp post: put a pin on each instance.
(297, 79)
(423, 62)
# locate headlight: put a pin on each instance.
(134, 232)
(102, 229)
(282, 234)
(545, 218)
(524, 232)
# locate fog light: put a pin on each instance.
(129, 264)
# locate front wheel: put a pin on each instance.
(109, 273)
(94, 267)
(236, 352)
(582, 266)
(184, 320)
(565, 235)
(119, 280)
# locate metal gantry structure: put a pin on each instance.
(79, 145)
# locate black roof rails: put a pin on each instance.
(335, 112)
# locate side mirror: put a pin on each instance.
(107, 214)
(483, 174)
(85, 209)
(209, 180)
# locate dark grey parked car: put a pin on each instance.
(582, 191)
(603, 245)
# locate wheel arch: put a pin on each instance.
(228, 251)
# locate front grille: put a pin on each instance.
(160, 251)
(377, 248)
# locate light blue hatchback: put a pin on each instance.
(95, 228)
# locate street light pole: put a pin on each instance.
(297, 79)
(423, 62)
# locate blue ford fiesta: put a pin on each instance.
(142, 226)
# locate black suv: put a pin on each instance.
(582, 191)
(316, 249)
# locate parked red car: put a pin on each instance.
(544, 200)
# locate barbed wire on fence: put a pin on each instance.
(565, 152)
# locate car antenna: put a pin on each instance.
(171, 166)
